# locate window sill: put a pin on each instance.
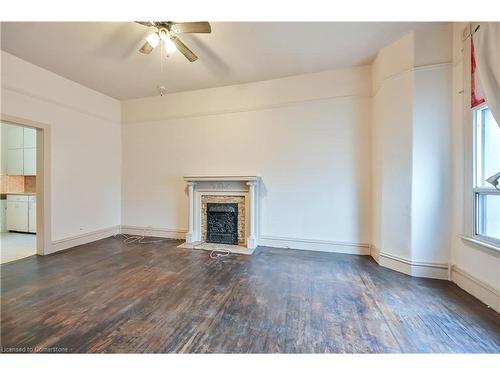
(492, 248)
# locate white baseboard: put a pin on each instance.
(178, 234)
(375, 253)
(315, 245)
(479, 289)
(410, 267)
(81, 239)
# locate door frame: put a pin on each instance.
(43, 191)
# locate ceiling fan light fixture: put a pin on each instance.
(170, 46)
(153, 39)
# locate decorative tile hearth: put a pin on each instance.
(235, 190)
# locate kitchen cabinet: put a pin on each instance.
(3, 215)
(32, 214)
(19, 150)
(15, 163)
(17, 213)
(3, 153)
(21, 213)
(29, 138)
(29, 161)
(14, 136)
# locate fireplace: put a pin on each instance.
(222, 223)
(223, 213)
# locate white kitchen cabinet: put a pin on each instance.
(15, 164)
(14, 136)
(17, 213)
(3, 215)
(29, 138)
(32, 215)
(21, 213)
(3, 150)
(19, 150)
(29, 161)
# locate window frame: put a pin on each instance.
(477, 190)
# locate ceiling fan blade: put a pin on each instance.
(191, 27)
(146, 48)
(183, 49)
(145, 23)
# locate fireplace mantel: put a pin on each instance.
(247, 186)
(220, 178)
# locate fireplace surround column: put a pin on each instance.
(189, 235)
(252, 239)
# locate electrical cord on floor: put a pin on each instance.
(216, 254)
(139, 239)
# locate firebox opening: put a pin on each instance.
(222, 223)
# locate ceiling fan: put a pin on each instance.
(167, 32)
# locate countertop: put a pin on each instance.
(4, 195)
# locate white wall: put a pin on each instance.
(391, 161)
(411, 152)
(475, 268)
(85, 147)
(308, 137)
(431, 165)
(431, 145)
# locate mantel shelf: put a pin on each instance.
(221, 178)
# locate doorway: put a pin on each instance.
(21, 190)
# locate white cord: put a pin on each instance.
(129, 239)
(216, 254)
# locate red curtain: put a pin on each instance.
(477, 96)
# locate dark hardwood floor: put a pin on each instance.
(110, 297)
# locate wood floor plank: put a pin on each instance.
(111, 297)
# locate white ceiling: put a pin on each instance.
(104, 57)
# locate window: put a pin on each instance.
(486, 164)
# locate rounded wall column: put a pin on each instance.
(189, 234)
